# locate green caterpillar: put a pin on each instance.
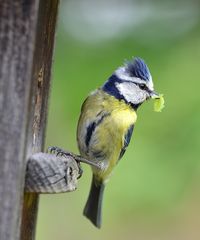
(159, 103)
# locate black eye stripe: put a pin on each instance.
(141, 85)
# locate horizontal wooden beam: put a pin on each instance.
(48, 173)
(54, 172)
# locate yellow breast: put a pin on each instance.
(108, 137)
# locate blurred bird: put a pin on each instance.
(106, 123)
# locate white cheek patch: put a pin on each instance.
(121, 74)
(131, 92)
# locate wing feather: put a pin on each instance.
(127, 139)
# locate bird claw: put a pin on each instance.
(80, 170)
(77, 158)
(60, 152)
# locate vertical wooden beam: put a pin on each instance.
(27, 30)
(47, 16)
(17, 30)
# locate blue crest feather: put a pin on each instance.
(138, 68)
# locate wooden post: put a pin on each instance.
(27, 30)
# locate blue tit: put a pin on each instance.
(106, 123)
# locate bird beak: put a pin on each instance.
(154, 94)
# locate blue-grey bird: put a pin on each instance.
(106, 124)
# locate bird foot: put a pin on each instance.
(60, 152)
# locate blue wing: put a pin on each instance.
(127, 139)
(91, 128)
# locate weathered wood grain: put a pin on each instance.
(17, 30)
(26, 46)
(41, 72)
(49, 173)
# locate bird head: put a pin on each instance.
(132, 83)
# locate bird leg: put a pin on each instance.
(60, 152)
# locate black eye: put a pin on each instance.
(142, 86)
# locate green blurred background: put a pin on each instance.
(154, 191)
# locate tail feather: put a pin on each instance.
(93, 207)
